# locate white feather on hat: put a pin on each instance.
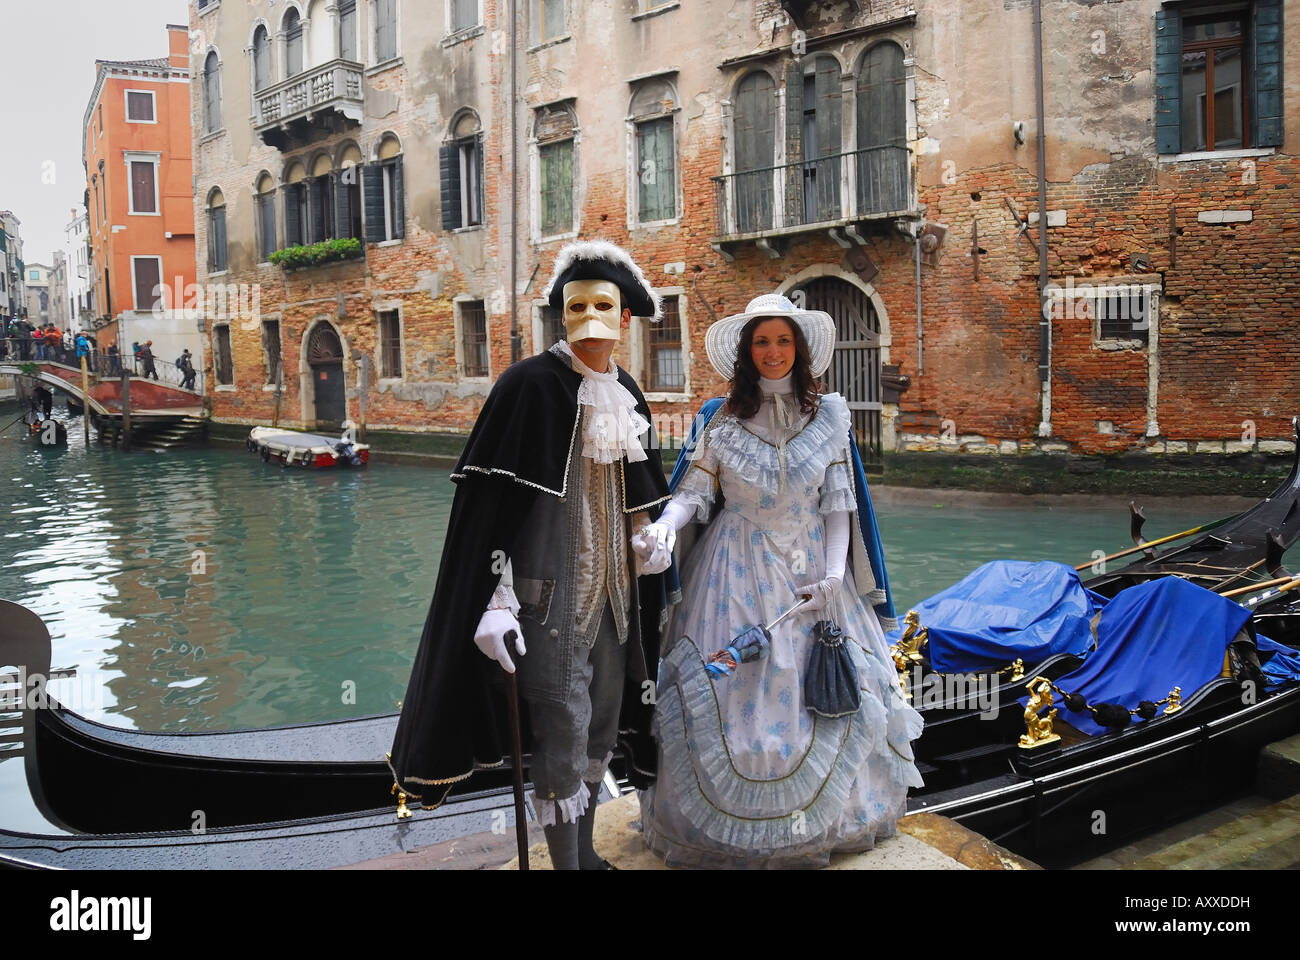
(570, 254)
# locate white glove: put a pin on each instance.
(490, 637)
(654, 545)
(821, 592)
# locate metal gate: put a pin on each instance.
(855, 366)
(325, 358)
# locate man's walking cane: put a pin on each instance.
(517, 760)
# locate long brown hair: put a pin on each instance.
(745, 397)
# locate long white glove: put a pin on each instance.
(654, 543)
(837, 554)
(491, 633)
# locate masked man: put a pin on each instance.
(554, 480)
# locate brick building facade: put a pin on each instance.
(876, 160)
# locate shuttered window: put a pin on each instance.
(224, 369)
(1218, 78)
(557, 187)
(882, 159)
(473, 339)
(292, 44)
(216, 233)
(144, 193)
(461, 176)
(385, 30)
(348, 30)
(211, 93)
(548, 20)
(656, 175)
(755, 128)
(266, 226)
(389, 336)
(147, 274)
(295, 214)
(464, 14)
(139, 106)
(261, 59)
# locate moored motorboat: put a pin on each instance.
(313, 450)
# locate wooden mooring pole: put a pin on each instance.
(85, 402)
(126, 409)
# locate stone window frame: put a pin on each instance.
(646, 9)
(153, 157)
(454, 34)
(632, 123)
(536, 15)
(538, 324)
(397, 307)
(212, 127)
(261, 331)
(458, 304)
(272, 80)
(373, 63)
(209, 209)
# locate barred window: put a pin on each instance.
(1121, 313)
(473, 339)
(663, 350)
(390, 344)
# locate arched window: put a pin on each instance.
(554, 131)
(755, 135)
(461, 160)
(292, 43)
(216, 231)
(265, 217)
(651, 110)
(295, 205)
(261, 59)
(384, 199)
(882, 130)
(211, 92)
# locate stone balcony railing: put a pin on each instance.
(321, 99)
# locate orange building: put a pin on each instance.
(136, 150)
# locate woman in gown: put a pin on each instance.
(748, 776)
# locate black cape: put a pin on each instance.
(454, 719)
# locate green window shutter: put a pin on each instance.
(557, 187)
(449, 185)
(1266, 31)
(829, 110)
(2, 239)
(372, 200)
(1169, 81)
(292, 218)
(399, 200)
(656, 180)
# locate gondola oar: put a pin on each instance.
(752, 644)
(1155, 543)
(1291, 584)
(12, 422)
(517, 759)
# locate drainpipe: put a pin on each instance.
(920, 352)
(515, 345)
(1044, 323)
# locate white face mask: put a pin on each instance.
(592, 310)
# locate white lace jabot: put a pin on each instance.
(613, 427)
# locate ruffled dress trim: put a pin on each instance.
(808, 453)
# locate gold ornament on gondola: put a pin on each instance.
(1175, 700)
(907, 650)
(1038, 729)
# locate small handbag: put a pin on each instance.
(830, 687)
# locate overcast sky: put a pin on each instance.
(48, 50)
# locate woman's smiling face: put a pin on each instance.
(772, 349)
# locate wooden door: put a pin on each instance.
(855, 365)
(325, 359)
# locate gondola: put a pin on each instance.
(320, 794)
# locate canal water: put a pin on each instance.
(207, 590)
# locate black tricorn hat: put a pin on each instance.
(600, 260)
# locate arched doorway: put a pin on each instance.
(855, 367)
(325, 360)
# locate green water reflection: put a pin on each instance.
(207, 590)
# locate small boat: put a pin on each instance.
(292, 447)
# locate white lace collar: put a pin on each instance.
(757, 461)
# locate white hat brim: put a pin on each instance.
(722, 339)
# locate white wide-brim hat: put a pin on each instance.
(723, 338)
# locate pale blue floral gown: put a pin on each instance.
(748, 777)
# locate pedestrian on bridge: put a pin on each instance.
(38, 338)
(146, 357)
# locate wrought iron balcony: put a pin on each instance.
(831, 193)
(321, 100)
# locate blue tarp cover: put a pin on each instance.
(1004, 610)
(1151, 638)
(1281, 663)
